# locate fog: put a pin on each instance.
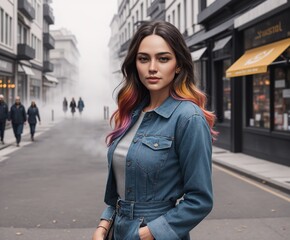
(89, 21)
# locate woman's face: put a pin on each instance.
(156, 64)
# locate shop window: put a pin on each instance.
(199, 72)
(282, 99)
(226, 91)
(7, 88)
(260, 116)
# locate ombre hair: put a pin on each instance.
(133, 92)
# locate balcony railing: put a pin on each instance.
(25, 52)
(156, 9)
(26, 9)
(48, 14)
(47, 66)
(48, 41)
(125, 46)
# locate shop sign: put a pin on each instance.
(5, 66)
(268, 31)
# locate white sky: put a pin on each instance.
(89, 21)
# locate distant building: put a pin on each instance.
(49, 80)
(114, 46)
(250, 96)
(22, 51)
(65, 58)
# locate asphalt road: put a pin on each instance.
(53, 189)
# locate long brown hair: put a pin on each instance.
(133, 91)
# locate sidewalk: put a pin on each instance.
(272, 174)
(9, 138)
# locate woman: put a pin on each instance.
(160, 149)
(32, 113)
(81, 105)
(73, 106)
(64, 105)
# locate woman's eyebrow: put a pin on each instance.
(157, 54)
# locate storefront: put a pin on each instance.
(7, 81)
(35, 86)
(265, 71)
(221, 60)
(24, 74)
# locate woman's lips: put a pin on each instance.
(153, 79)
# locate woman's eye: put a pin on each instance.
(143, 59)
(163, 59)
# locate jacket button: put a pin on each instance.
(129, 163)
(156, 145)
(135, 140)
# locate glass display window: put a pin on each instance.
(282, 99)
(226, 92)
(260, 116)
(7, 88)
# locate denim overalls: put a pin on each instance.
(169, 160)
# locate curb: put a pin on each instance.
(259, 178)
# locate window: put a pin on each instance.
(142, 12)
(282, 99)
(192, 11)
(22, 36)
(178, 16)
(133, 24)
(5, 28)
(2, 24)
(173, 17)
(185, 14)
(168, 18)
(129, 30)
(226, 92)
(260, 116)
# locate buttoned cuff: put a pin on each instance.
(161, 230)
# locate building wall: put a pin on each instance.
(65, 58)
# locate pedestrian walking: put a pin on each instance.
(81, 106)
(64, 105)
(18, 119)
(3, 117)
(33, 113)
(73, 106)
(159, 182)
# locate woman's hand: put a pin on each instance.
(101, 230)
(145, 234)
(99, 234)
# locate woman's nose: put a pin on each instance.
(152, 66)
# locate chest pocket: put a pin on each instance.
(153, 152)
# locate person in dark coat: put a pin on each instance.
(81, 105)
(18, 118)
(32, 113)
(73, 106)
(3, 117)
(64, 105)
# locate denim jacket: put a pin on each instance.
(168, 159)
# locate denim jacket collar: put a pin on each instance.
(165, 109)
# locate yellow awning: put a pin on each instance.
(257, 60)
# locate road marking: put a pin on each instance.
(243, 178)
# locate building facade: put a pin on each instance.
(21, 49)
(49, 81)
(240, 51)
(65, 58)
